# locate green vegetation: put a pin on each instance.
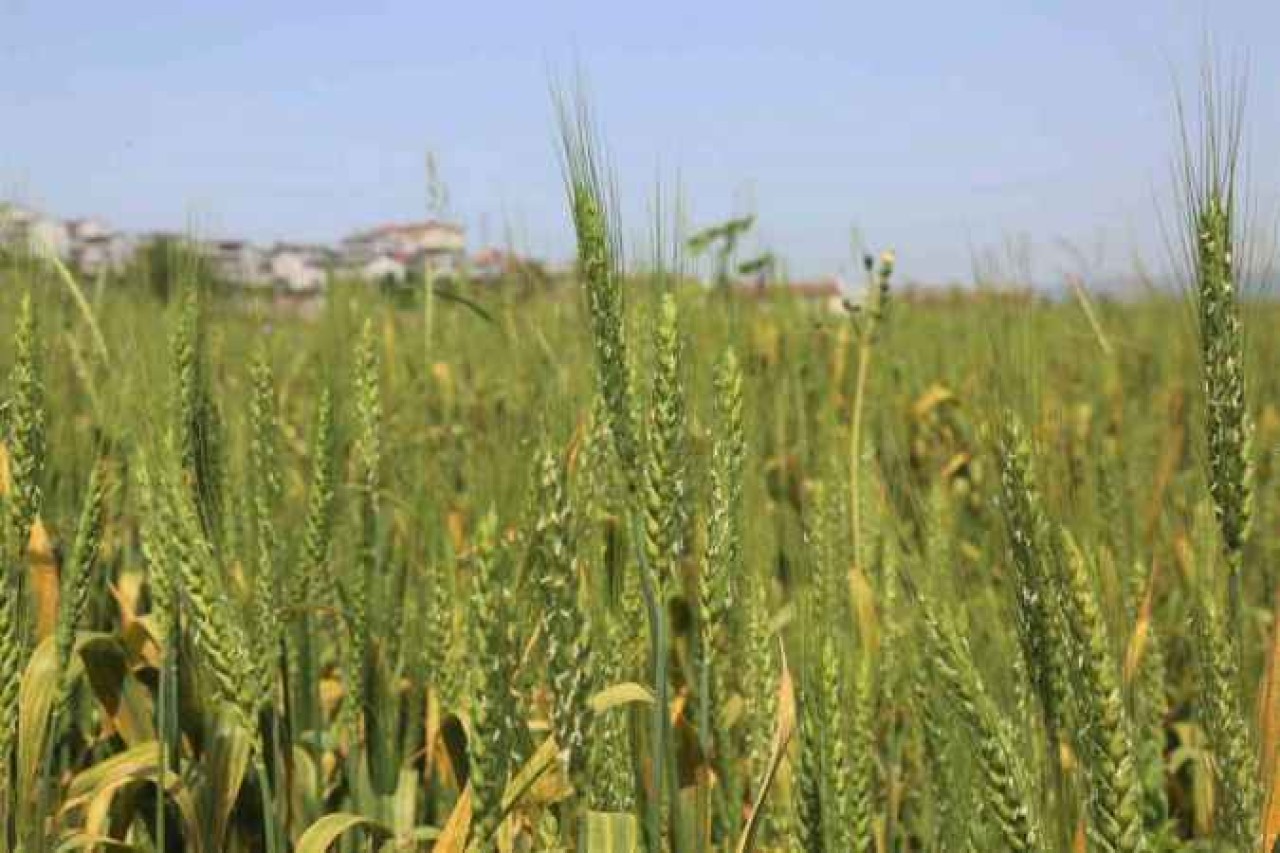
(632, 564)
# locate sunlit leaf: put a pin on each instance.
(328, 829)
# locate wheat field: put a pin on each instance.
(632, 564)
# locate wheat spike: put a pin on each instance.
(265, 489)
(78, 579)
(1116, 797)
(1235, 766)
(567, 631)
(25, 439)
(199, 430)
(487, 746)
(666, 504)
(1005, 782)
(600, 271)
(1034, 553)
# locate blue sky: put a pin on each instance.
(943, 128)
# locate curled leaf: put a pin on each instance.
(320, 835)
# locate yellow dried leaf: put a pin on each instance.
(453, 837)
(322, 834)
(932, 398)
(457, 530)
(431, 717)
(1141, 631)
(331, 693)
(5, 482)
(540, 781)
(127, 591)
(42, 566)
(956, 464)
(1269, 727)
(620, 694)
(1080, 841)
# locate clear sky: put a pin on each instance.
(939, 128)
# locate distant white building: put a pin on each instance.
(83, 230)
(439, 264)
(238, 262)
(420, 246)
(14, 222)
(98, 255)
(395, 252)
(492, 265)
(299, 269)
(95, 248)
(28, 231)
(383, 268)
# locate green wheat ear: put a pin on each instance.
(157, 548)
(1035, 555)
(1115, 804)
(306, 582)
(840, 822)
(186, 571)
(198, 425)
(948, 797)
(1005, 786)
(1238, 807)
(616, 624)
(618, 637)
(1214, 245)
(11, 665)
(77, 582)
(665, 480)
(25, 438)
(25, 442)
(568, 639)
(312, 576)
(807, 774)
(720, 578)
(488, 759)
(600, 271)
(612, 786)
(361, 584)
(264, 490)
(1230, 431)
(368, 417)
(840, 694)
